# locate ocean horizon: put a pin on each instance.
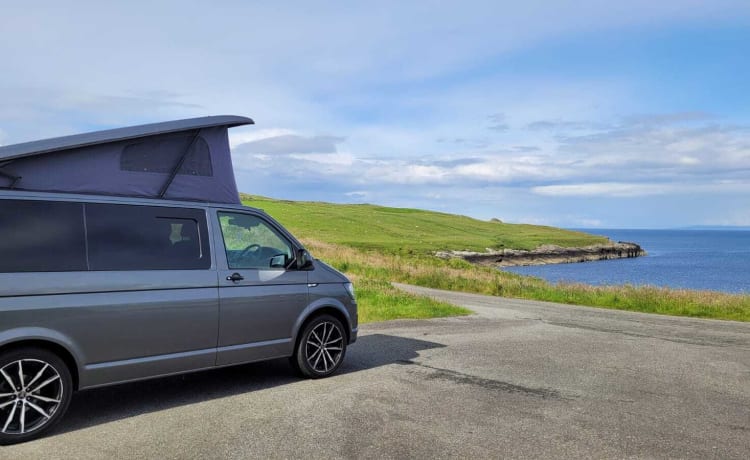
(714, 259)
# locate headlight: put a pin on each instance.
(350, 289)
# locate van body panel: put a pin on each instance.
(325, 290)
(47, 283)
(115, 326)
(323, 273)
(324, 296)
(255, 351)
(255, 313)
(126, 325)
(101, 374)
(9, 336)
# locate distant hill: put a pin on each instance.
(405, 230)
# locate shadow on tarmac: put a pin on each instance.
(103, 405)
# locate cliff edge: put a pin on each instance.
(548, 254)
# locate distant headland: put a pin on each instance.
(548, 254)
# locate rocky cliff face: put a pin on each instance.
(548, 254)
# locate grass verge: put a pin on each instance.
(372, 271)
(379, 301)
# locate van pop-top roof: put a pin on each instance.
(176, 160)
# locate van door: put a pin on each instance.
(131, 288)
(161, 313)
(260, 298)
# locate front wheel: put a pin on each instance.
(35, 391)
(321, 347)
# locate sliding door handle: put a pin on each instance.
(235, 277)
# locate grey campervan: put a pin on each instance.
(126, 254)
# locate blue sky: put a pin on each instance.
(579, 114)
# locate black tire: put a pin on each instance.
(308, 358)
(43, 401)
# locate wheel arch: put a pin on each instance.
(50, 344)
(324, 306)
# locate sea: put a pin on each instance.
(716, 260)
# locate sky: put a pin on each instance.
(578, 114)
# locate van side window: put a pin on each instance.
(41, 236)
(127, 237)
(250, 242)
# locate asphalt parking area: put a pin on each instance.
(519, 379)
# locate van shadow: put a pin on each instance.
(103, 405)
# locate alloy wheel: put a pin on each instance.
(31, 391)
(324, 347)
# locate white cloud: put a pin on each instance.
(613, 189)
(664, 152)
(736, 218)
(337, 159)
(239, 136)
(636, 161)
(630, 190)
(290, 144)
(358, 194)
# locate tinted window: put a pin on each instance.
(161, 155)
(41, 236)
(251, 242)
(123, 237)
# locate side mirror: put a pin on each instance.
(304, 259)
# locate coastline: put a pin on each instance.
(373, 272)
(548, 254)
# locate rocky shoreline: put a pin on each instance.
(548, 254)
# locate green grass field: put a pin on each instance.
(347, 237)
(399, 230)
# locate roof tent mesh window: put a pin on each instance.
(41, 236)
(162, 154)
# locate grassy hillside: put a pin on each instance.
(375, 246)
(398, 230)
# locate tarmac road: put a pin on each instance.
(520, 379)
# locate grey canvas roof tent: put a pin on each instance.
(177, 160)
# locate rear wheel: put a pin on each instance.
(35, 391)
(321, 347)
